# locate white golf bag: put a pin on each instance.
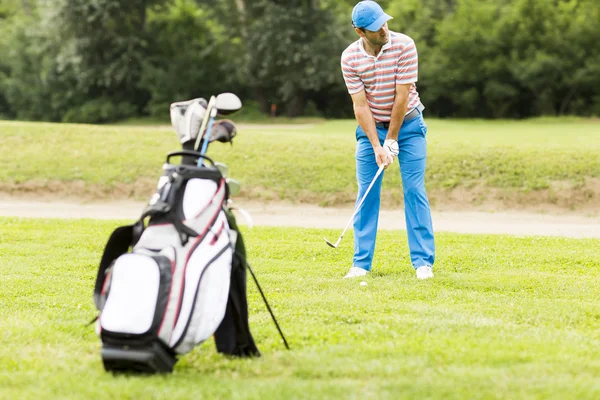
(178, 275)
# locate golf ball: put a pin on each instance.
(363, 283)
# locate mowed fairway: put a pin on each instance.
(311, 164)
(505, 317)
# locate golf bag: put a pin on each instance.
(183, 280)
(177, 276)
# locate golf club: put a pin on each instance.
(211, 104)
(224, 103)
(211, 120)
(381, 167)
(223, 169)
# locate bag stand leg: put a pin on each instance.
(268, 307)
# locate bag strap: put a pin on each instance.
(119, 242)
(165, 206)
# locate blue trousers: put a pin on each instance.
(412, 157)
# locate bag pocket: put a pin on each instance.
(136, 296)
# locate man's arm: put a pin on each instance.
(365, 119)
(407, 74)
(398, 110)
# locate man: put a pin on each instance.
(380, 70)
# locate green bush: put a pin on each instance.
(477, 58)
(186, 57)
(515, 58)
(251, 111)
(99, 111)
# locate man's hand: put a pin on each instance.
(382, 157)
(391, 146)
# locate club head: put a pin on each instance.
(234, 187)
(223, 168)
(223, 131)
(227, 103)
(331, 244)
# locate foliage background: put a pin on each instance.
(106, 60)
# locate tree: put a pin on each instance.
(104, 45)
(290, 49)
(187, 56)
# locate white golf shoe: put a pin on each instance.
(424, 272)
(355, 271)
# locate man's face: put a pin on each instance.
(378, 38)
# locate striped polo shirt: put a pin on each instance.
(396, 64)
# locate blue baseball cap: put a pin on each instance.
(369, 15)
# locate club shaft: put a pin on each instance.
(211, 120)
(209, 107)
(360, 203)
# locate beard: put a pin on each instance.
(379, 40)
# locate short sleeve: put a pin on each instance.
(408, 65)
(353, 82)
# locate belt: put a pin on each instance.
(414, 113)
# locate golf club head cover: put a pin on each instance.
(223, 131)
(186, 118)
(391, 146)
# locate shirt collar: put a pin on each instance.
(383, 48)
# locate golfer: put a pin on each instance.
(380, 70)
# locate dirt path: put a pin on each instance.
(310, 216)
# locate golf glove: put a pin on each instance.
(391, 146)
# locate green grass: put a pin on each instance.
(311, 164)
(505, 317)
